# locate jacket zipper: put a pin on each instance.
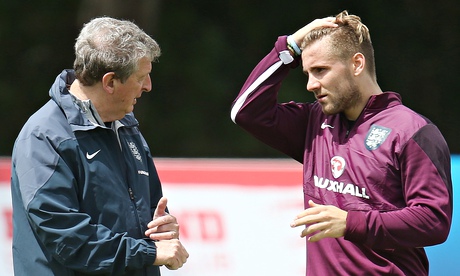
(131, 194)
(133, 201)
(130, 190)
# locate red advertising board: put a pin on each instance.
(234, 216)
(227, 208)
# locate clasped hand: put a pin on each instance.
(164, 230)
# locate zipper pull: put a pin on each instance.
(131, 194)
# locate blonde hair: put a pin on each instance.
(350, 37)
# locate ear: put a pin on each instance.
(108, 82)
(359, 62)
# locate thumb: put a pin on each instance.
(311, 203)
(161, 208)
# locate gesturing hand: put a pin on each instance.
(321, 221)
(163, 225)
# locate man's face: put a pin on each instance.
(126, 94)
(330, 79)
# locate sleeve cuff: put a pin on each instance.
(356, 228)
(283, 52)
(151, 252)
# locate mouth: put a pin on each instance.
(321, 98)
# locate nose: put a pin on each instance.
(312, 84)
(147, 85)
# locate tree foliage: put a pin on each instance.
(210, 47)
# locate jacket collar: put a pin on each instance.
(383, 101)
(75, 110)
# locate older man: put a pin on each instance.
(86, 195)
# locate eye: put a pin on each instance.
(318, 70)
(141, 79)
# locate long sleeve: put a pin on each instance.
(256, 108)
(51, 197)
(427, 186)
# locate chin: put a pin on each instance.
(330, 111)
(326, 110)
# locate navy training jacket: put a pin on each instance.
(82, 194)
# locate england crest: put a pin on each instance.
(337, 166)
(376, 136)
(135, 151)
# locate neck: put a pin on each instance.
(366, 91)
(93, 94)
(78, 90)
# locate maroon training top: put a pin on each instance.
(390, 171)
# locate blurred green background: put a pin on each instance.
(210, 47)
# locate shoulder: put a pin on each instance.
(48, 124)
(393, 115)
(411, 125)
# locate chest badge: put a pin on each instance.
(376, 136)
(337, 166)
(132, 146)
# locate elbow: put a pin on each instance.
(242, 119)
(443, 235)
(439, 233)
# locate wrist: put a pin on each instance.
(292, 46)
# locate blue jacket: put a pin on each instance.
(82, 193)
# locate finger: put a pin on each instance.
(175, 262)
(312, 237)
(184, 254)
(156, 229)
(310, 229)
(314, 232)
(299, 220)
(304, 213)
(311, 210)
(313, 204)
(162, 220)
(174, 265)
(161, 208)
(163, 236)
(307, 220)
(307, 216)
(162, 226)
(317, 235)
(326, 22)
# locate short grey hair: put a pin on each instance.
(110, 45)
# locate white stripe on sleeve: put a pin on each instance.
(264, 76)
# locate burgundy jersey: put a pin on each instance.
(390, 171)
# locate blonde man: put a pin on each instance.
(376, 178)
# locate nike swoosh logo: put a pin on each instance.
(91, 156)
(324, 125)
